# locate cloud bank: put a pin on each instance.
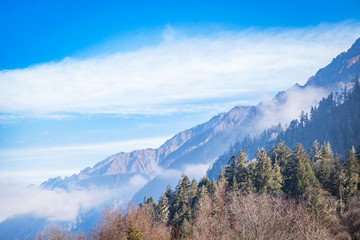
(181, 73)
(288, 105)
(52, 205)
(61, 205)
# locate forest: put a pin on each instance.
(295, 191)
(281, 194)
(335, 120)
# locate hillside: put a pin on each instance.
(336, 120)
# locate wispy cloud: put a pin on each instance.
(53, 205)
(289, 105)
(55, 159)
(180, 71)
(196, 171)
(60, 204)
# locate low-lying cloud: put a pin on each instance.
(61, 205)
(289, 105)
(52, 205)
(181, 73)
(196, 171)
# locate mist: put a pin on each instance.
(60, 204)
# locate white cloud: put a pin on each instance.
(180, 71)
(53, 205)
(55, 159)
(160, 172)
(196, 171)
(59, 204)
(292, 102)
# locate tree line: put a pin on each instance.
(283, 192)
(335, 120)
(280, 194)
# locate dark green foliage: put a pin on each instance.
(204, 182)
(302, 175)
(133, 233)
(263, 175)
(182, 206)
(230, 172)
(280, 154)
(351, 181)
(163, 209)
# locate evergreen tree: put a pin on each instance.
(302, 175)
(247, 186)
(204, 182)
(162, 209)
(181, 209)
(133, 233)
(241, 170)
(351, 180)
(230, 172)
(327, 151)
(263, 175)
(336, 177)
(358, 152)
(280, 154)
(276, 182)
(323, 173)
(316, 152)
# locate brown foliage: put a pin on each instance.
(115, 226)
(256, 217)
(351, 217)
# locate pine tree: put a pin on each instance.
(323, 173)
(276, 181)
(351, 180)
(222, 175)
(181, 212)
(205, 182)
(162, 210)
(247, 186)
(263, 175)
(133, 233)
(241, 170)
(316, 152)
(230, 172)
(302, 175)
(327, 151)
(358, 152)
(280, 154)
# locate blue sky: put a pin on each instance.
(82, 80)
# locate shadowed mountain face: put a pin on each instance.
(341, 70)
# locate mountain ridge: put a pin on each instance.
(204, 142)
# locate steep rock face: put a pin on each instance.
(341, 70)
(204, 147)
(201, 149)
(117, 169)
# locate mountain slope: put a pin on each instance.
(203, 143)
(243, 121)
(117, 169)
(341, 70)
(336, 120)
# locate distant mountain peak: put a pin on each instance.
(340, 71)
